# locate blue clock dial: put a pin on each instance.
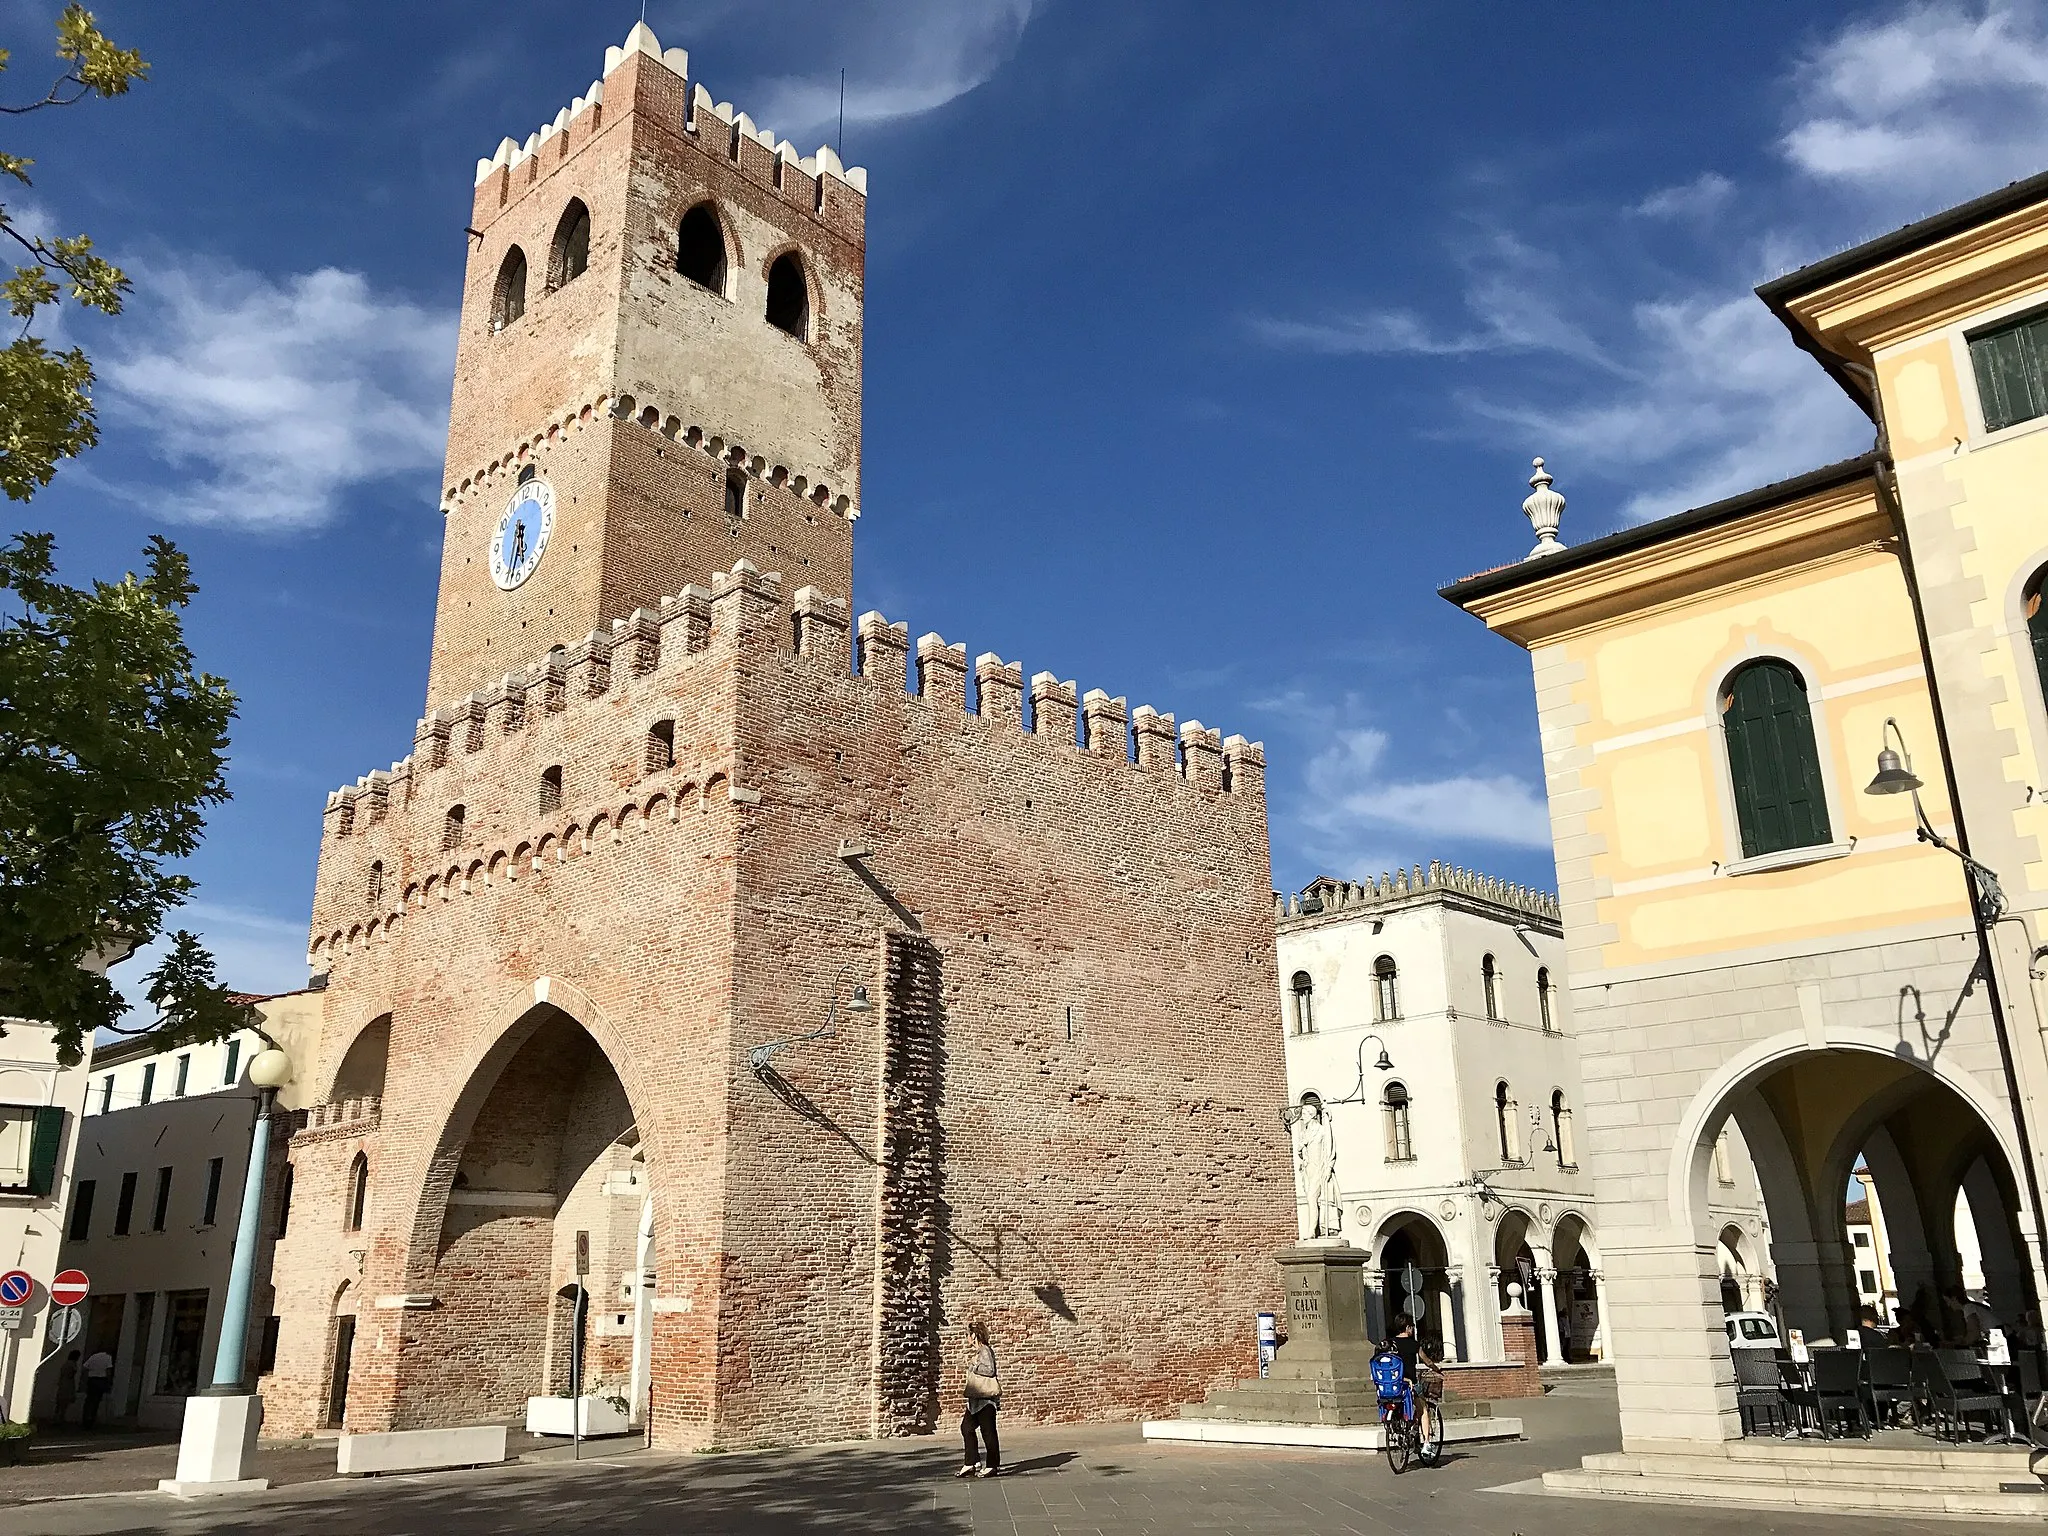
(521, 535)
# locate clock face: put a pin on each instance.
(521, 536)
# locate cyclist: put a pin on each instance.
(1419, 1362)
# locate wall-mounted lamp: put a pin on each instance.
(761, 1059)
(1895, 776)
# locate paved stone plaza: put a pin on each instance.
(1098, 1480)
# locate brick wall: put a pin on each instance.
(1519, 1374)
(1096, 932)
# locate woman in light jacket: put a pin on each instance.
(984, 1396)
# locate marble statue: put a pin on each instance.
(1315, 1163)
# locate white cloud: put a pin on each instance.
(1699, 198)
(1934, 100)
(272, 399)
(1507, 283)
(1352, 804)
(923, 54)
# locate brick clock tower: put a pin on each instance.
(658, 372)
(728, 958)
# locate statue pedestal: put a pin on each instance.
(1318, 1390)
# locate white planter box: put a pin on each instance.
(552, 1416)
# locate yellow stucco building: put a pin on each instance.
(1753, 933)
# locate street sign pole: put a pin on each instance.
(581, 1311)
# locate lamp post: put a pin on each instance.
(222, 1420)
(1895, 776)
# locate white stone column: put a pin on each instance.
(1546, 1299)
(1601, 1348)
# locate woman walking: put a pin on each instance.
(984, 1396)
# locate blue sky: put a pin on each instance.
(1203, 341)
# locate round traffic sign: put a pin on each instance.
(69, 1288)
(16, 1286)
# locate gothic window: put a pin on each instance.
(1504, 1112)
(1385, 989)
(789, 297)
(1489, 981)
(571, 252)
(1400, 1134)
(735, 493)
(358, 1191)
(1543, 1006)
(1561, 1130)
(451, 827)
(1304, 990)
(700, 248)
(376, 883)
(2037, 627)
(508, 303)
(661, 746)
(1773, 763)
(551, 789)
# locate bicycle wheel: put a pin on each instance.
(1399, 1435)
(1429, 1433)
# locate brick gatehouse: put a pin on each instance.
(667, 807)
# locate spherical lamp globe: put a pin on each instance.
(270, 1069)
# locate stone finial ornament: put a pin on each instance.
(1545, 510)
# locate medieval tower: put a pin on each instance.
(796, 996)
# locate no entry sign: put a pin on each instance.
(69, 1288)
(16, 1286)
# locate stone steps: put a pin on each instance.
(1768, 1476)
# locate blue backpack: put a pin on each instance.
(1389, 1375)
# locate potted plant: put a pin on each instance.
(603, 1410)
(14, 1441)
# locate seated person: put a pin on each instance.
(1870, 1327)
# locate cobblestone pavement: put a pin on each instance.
(1091, 1480)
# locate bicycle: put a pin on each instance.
(1411, 1429)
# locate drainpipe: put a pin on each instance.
(1887, 495)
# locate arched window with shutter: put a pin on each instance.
(1543, 1007)
(1400, 1132)
(1489, 981)
(1561, 1130)
(1304, 989)
(1773, 761)
(1386, 979)
(1505, 1111)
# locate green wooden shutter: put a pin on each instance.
(2012, 382)
(1780, 801)
(44, 1140)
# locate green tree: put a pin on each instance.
(112, 744)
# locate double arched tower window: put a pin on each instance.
(1773, 761)
(700, 248)
(789, 296)
(508, 301)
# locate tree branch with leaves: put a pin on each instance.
(113, 744)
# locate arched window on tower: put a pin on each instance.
(1505, 1110)
(1543, 1004)
(1386, 992)
(1304, 989)
(551, 789)
(1489, 982)
(451, 827)
(789, 296)
(700, 248)
(1400, 1132)
(508, 302)
(376, 883)
(1773, 763)
(735, 493)
(661, 746)
(570, 253)
(358, 1192)
(1561, 1130)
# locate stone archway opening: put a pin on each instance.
(1851, 1149)
(1580, 1305)
(1412, 1273)
(547, 1189)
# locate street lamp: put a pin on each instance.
(222, 1419)
(1895, 776)
(761, 1059)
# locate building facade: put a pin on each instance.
(1428, 1011)
(1761, 922)
(759, 986)
(40, 1100)
(156, 1190)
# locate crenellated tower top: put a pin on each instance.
(658, 371)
